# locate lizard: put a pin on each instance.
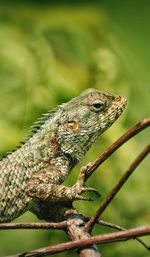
(32, 176)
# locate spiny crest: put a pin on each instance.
(34, 129)
(40, 121)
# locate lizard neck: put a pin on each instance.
(42, 153)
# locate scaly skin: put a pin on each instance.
(33, 174)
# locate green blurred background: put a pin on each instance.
(49, 52)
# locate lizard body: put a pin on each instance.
(34, 173)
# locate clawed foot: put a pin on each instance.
(79, 187)
(86, 189)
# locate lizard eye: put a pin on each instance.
(98, 105)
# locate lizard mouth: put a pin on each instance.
(114, 112)
(117, 108)
(122, 105)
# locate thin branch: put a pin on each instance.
(115, 190)
(110, 225)
(101, 239)
(51, 225)
(143, 124)
(119, 228)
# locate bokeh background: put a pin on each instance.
(49, 52)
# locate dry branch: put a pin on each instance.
(50, 225)
(117, 187)
(119, 228)
(101, 239)
(140, 126)
(61, 226)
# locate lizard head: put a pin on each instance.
(84, 118)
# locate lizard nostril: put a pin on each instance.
(118, 98)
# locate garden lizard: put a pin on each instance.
(33, 174)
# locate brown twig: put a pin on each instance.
(119, 228)
(51, 225)
(119, 142)
(101, 239)
(116, 189)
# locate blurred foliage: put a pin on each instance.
(49, 53)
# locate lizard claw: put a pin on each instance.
(90, 189)
(80, 197)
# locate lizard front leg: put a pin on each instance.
(40, 187)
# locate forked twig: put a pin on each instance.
(115, 190)
(60, 226)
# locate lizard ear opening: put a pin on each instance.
(72, 126)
